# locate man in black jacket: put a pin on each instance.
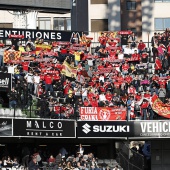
(33, 164)
(12, 98)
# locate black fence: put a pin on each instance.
(41, 109)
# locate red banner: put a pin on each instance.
(28, 53)
(112, 60)
(113, 48)
(104, 70)
(125, 32)
(43, 59)
(50, 53)
(78, 48)
(16, 36)
(56, 43)
(102, 113)
(132, 59)
(160, 108)
(51, 71)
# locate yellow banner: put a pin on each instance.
(11, 56)
(68, 70)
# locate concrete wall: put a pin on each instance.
(160, 154)
(151, 10)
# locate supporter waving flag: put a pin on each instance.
(68, 70)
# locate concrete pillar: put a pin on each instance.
(112, 149)
(32, 20)
(114, 15)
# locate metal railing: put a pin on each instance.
(37, 111)
(130, 159)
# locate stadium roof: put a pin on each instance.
(52, 6)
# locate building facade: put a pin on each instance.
(143, 17)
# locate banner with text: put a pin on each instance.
(5, 81)
(152, 129)
(133, 129)
(102, 113)
(52, 35)
(44, 128)
(104, 129)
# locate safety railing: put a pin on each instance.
(129, 159)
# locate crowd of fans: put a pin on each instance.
(37, 159)
(120, 71)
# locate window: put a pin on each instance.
(99, 1)
(162, 23)
(44, 23)
(132, 29)
(99, 25)
(6, 25)
(162, 0)
(131, 5)
(62, 24)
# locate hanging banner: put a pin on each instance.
(102, 113)
(5, 81)
(160, 108)
(11, 55)
(68, 70)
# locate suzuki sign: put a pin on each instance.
(104, 129)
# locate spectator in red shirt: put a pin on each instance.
(158, 65)
(141, 47)
(48, 84)
(147, 94)
(51, 160)
(144, 107)
(90, 95)
(102, 40)
(57, 111)
(136, 56)
(25, 66)
(66, 85)
(94, 102)
(100, 66)
(108, 96)
(125, 68)
(86, 102)
(138, 97)
(131, 90)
